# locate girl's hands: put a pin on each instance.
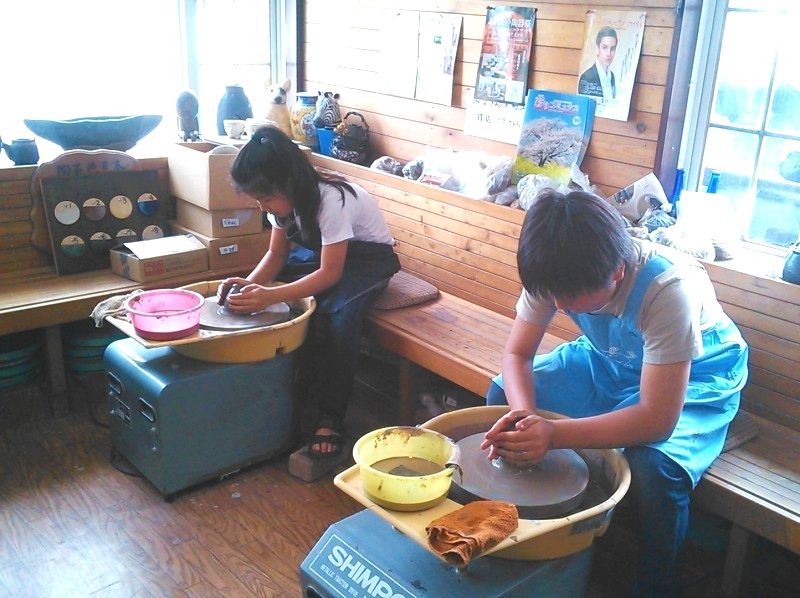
(520, 435)
(250, 297)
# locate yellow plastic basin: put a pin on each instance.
(248, 346)
(404, 492)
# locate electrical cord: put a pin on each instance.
(122, 465)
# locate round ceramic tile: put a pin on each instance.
(152, 232)
(127, 235)
(67, 212)
(94, 209)
(148, 204)
(120, 206)
(100, 242)
(73, 246)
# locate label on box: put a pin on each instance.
(228, 249)
(230, 222)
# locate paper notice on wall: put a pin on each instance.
(436, 59)
(398, 54)
(494, 120)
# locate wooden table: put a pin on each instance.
(47, 300)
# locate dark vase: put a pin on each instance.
(233, 105)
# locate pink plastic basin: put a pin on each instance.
(165, 314)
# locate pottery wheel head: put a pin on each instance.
(218, 317)
(554, 486)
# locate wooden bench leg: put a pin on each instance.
(56, 373)
(735, 557)
(408, 393)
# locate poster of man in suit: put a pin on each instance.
(612, 44)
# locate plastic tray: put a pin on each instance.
(534, 539)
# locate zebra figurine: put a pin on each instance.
(327, 113)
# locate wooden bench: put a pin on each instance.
(467, 249)
(453, 338)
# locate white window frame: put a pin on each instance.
(700, 101)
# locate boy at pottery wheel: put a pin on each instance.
(658, 370)
(328, 240)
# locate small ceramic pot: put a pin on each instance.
(22, 151)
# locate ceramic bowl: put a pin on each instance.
(253, 124)
(233, 128)
(95, 132)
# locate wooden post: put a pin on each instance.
(408, 392)
(735, 558)
(56, 374)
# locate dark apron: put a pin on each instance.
(368, 266)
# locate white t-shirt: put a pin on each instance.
(676, 308)
(359, 219)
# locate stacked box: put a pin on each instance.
(208, 206)
(201, 177)
(242, 251)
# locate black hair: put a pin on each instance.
(271, 162)
(571, 244)
(605, 32)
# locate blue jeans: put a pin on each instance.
(659, 493)
(330, 353)
(330, 357)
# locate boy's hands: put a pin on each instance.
(520, 435)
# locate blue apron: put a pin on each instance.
(600, 372)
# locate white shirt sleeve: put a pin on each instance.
(671, 324)
(335, 221)
(534, 310)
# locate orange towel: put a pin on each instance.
(466, 533)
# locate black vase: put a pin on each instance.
(233, 105)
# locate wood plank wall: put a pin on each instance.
(342, 54)
(468, 248)
(16, 252)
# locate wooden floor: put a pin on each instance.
(73, 525)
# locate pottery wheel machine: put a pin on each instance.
(192, 409)
(564, 503)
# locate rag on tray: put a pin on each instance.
(476, 527)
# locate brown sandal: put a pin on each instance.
(334, 438)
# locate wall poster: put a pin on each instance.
(505, 54)
(609, 60)
(498, 103)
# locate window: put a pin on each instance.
(746, 122)
(99, 58)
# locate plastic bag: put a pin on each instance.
(475, 174)
(634, 200)
(388, 164)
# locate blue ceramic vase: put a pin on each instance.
(233, 105)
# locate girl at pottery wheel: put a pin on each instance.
(329, 240)
(659, 368)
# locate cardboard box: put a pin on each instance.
(219, 223)
(146, 261)
(203, 178)
(244, 251)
